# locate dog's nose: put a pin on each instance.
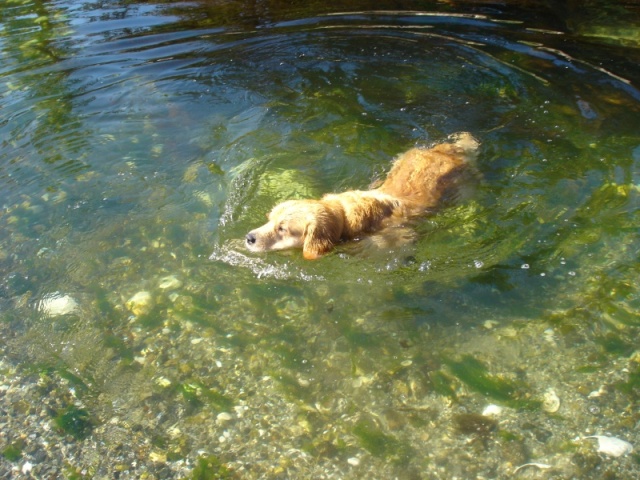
(251, 238)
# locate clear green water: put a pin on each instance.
(141, 141)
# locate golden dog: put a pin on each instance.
(417, 181)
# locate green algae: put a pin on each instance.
(74, 421)
(625, 35)
(457, 230)
(509, 436)
(152, 320)
(197, 394)
(615, 344)
(443, 384)
(632, 385)
(75, 473)
(357, 337)
(473, 373)
(290, 357)
(12, 452)
(290, 386)
(79, 385)
(119, 347)
(211, 468)
(287, 184)
(371, 437)
(374, 440)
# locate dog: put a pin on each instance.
(417, 182)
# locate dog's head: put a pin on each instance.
(313, 225)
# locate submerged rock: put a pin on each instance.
(612, 446)
(140, 304)
(223, 418)
(56, 304)
(170, 282)
(492, 410)
(473, 423)
(550, 401)
(541, 466)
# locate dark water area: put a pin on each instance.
(140, 141)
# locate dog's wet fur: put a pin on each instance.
(416, 183)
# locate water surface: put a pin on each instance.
(141, 141)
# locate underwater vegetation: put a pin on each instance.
(139, 338)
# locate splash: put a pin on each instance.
(229, 254)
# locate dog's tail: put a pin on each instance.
(467, 144)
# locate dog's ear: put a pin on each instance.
(315, 243)
(322, 232)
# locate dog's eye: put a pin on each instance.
(281, 228)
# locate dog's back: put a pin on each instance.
(420, 177)
(417, 182)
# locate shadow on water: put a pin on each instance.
(138, 138)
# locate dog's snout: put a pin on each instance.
(251, 238)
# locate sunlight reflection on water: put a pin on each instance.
(140, 144)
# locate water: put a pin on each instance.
(140, 142)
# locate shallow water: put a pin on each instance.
(140, 142)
